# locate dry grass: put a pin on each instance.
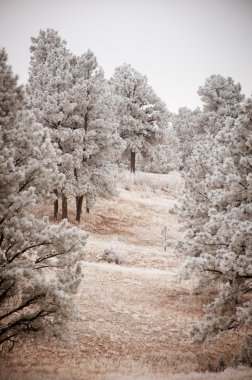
(128, 370)
(135, 317)
(152, 183)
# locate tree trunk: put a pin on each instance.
(64, 207)
(87, 205)
(55, 206)
(79, 201)
(132, 162)
(76, 203)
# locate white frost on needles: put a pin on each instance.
(31, 247)
(217, 205)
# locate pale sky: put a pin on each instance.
(175, 43)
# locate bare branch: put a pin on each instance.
(26, 249)
(22, 306)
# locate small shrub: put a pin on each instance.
(110, 255)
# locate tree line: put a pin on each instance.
(66, 134)
(91, 120)
(61, 135)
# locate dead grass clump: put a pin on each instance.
(110, 255)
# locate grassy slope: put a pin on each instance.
(134, 317)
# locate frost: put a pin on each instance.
(142, 116)
(217, 202)
(70, 96)
(32, 298)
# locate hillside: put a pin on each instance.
(135, 316)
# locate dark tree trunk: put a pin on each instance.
(1, 238)
(87, 205)
(76, 203)
(64, 207)
(55, 206)
(79, 201)
(132, 162)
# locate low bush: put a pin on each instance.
(110, 255)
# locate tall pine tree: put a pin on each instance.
(71, 97)
(217, 208)
(142, 115)
(31, 297)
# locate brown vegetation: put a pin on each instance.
(135, 318)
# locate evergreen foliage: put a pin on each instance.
(71, 97)
(142, 115)
(217, 206)
(164, 157)
(39, 262)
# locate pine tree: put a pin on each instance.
(199, 165)
(96, 125)
(188, 130)
(49, 90)
(220, 94)
(164, 157)
(142, 115)
(218, 206)
(225, 240)
(32, 297)
(71, 97)
(220, 97)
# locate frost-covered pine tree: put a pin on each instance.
(71, 97)
(220, 94)
(220, 97)
(142, 115)
(164, 157)
(49, 89)
(218, 207)
(39, 262)
(188, 131)
(218, 104)
(94, 121)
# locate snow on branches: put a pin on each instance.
(218, 208)
(31, 295)
(142, 115)
(71, 97)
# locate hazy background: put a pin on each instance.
(176, 43)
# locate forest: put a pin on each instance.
(125, 229)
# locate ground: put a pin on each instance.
(135, 317)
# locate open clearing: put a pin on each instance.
(135, 317)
